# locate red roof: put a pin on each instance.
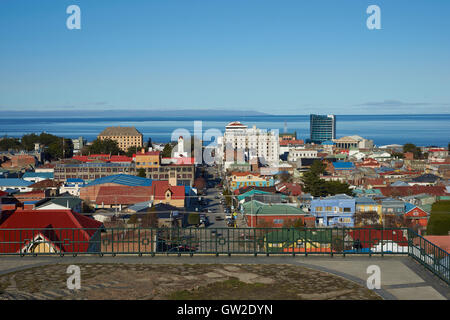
(181, 160)
(48, 223)
(2, 193)
(125, 195)
(160, 188)
(291, 142)
(442, 242)
(413, 190)
(291, 189)
(369, 237)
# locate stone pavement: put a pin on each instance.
(401, 277)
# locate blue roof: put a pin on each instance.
(122, 179)
(13, 182)
(44, 175)
(73, 180)
(409, 207)
(140, 206)
(365, 200)
(341, 165)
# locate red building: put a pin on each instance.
(49, 231)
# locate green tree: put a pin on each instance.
(410, 147)
(9, 143)
(141, 173)
(131, 150)
(167, 151)
(106, 146)
(29, 140)
(149, 143)
(60, 148)
(337, 187)
(311, 180)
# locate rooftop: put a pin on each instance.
(120, 131)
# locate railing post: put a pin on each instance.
(381, 242)
(139, 240)
(112, 239)
(254, 242)
(343, 242)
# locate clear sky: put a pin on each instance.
(274, 56)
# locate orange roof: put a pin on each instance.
(442, 242)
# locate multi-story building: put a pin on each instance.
(242, 144)
(353, 142)
(91, 171)
(182, 169)
(297, 153)
(336, 210)
(322, 128)
(124, 136)
(246, 179)
(78, 144)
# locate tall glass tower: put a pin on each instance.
(322, 127)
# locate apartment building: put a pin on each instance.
(242, 144)
(124, 136)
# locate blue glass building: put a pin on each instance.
(322, 128)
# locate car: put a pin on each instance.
(219, 218)
(182, 248)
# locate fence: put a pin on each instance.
(267, 241)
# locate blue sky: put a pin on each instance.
(277, 56)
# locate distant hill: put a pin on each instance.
(204, 113)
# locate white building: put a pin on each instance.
(353, 142)
(242, 144)
(295, 154)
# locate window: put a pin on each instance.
(278, 221)
(328, 209)
(347, 209)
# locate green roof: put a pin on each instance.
(250, 193)
(287, 237)
(260, 208)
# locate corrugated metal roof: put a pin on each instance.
(13, 182)
(122, 179)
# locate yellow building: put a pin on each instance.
(149, 159)
(246, 179)
(124, 136)
(369, 205)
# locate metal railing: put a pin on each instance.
(228, 241)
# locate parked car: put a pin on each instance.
(182, 248)
(219, 218)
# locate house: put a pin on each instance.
(164, 193)
(425, 180)
(416, 215)
(72, 186)
(110, 196)
(245, 179)
(64, 201)
(379, 240)
(37, 176)
(257, 213)
(365, 204)
(341, 166)
(334, 211)
(15, 184)
(392, 206)
(49, 231)
(301, 241)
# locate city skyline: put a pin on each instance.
(295, 58)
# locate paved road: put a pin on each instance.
(401, 277)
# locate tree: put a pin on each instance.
(60, 148)
(410, 147)
(9, 143)
(106, 146)
(149, 143)
(131, 150)
(369, 218)
(311, 180)
(141, 173)
(337, 187)
(199, 183)
(167, 151)
(285, 177)
(150, 219)
(294, 223)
